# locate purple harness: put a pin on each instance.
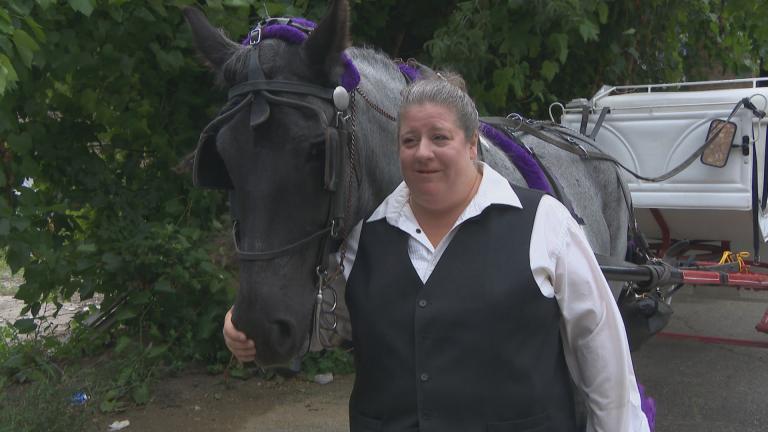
(296, 31)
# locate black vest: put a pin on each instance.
(476, 348)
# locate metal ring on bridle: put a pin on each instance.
(515, 116)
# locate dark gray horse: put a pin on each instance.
(272, 154)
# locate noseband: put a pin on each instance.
(256, 95)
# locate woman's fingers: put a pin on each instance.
(237, 342)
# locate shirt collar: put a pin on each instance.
(493, 189)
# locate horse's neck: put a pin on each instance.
(381, 83)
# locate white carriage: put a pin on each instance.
(652, 128)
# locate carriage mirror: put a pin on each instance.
(720, 137)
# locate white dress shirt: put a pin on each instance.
(564, 267)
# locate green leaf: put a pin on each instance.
(558, 42)
(21, 144)
(125, 314)
(141, 298)
(156, 351)
(44, 4)
(5, 227)
(25, 45)
(36, 28)
(6, 26)
(112, 261)
(15, 362)
(17, 256)
(108, 406)
(123, 342)
(25, 325)
(140, 394)
(85, 7)
(602, 13)
(588, 31)
(549, 69)
(21, 224)
(629, 32)
(86, 247)
(164, 286)
(8, 75)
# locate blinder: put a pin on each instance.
(209, 170)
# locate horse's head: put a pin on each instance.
(268, 145)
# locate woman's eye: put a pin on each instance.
(407, 142)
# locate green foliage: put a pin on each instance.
(43, 406)
(100, 102)
(337, 361)
(25, 360)
(519, 56)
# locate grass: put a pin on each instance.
(41, 406)
(40, 376)
(36, 391)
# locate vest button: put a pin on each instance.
(424, 377)
(418, 230)
(422, 303)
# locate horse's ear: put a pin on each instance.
(326, 43)
(209, 41)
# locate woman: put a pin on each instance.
(474, 303)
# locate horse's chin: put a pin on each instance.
(280, 360)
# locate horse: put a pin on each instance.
(279, 142)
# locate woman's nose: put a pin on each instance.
(424, 150)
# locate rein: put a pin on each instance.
(576, 143)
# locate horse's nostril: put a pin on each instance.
(284, 329)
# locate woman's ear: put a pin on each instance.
(473, 143)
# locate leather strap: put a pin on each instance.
(267, 255)
(552, 134)
(251, 86)
(599, 122)
(259, 106)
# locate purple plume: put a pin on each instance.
(648, 405)
(411, 72)
(525, 163)
(350, 78)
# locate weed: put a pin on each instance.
(338, 361)
(41, 406)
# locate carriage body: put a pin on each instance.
(651, 130)
(695, 218)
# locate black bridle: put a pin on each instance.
(256, 95)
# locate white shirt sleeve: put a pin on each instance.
(594, 340)
(353, 238)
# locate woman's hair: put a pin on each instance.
(446, 89)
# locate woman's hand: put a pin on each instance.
(237, 342)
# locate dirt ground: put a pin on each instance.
(200, 402)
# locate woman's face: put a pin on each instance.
(435, 156)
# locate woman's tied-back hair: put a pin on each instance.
(445, 89)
